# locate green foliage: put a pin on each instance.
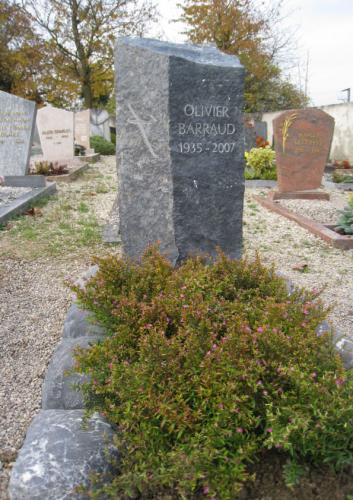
(204, 366)
(102, 146)
(260, 164)
(341, 177)
(49, 168)
(345, 221)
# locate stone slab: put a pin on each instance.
(17, 120)
(58, 390)
(56, 132)
(25, 181)
(180, 151)
(78, 323)
(59, 454)
(302, 143)
(22, 203)
(299, 195)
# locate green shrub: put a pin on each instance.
(205, 366)
(345, 221)
(101, 145)
(339, 177)
(260, 164)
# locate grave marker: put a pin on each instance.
(17, 119)
(302, 143)
(56, 131)
(180, 148)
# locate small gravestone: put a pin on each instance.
(100, 123)
(83, 128)
(17, 119)
(56, 131)
(180, 148)
(302, 143)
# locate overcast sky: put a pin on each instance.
(325, 35)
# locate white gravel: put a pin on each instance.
(284, 243)
(319, 210)
(33, 304)
(8, 194)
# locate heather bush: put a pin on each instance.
(203, 367)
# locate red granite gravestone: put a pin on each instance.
(302, 143)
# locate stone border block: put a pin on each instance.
(33, 181)
(22, 203)
(59, 454)
(78, 324)
(60, 390)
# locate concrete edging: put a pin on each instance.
(323, 231)
(22, 203)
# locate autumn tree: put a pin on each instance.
(79, 38)
(20, 52)
(239, 27)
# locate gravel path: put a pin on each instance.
(284, 243)
(33, 303)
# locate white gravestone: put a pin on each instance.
(17, 119)
(56, 131)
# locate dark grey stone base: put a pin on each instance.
(59, 454)
(60, 389)
(78, 324)
(33, 181)
(22, 203)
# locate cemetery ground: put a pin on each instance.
(57, 240)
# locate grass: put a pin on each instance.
(64, 224)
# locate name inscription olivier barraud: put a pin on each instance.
(208, 132)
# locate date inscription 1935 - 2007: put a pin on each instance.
(197, 135)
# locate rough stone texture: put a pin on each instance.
(180, 149)
(345, 349)
(82, 128)
(59, 454)
(302, 142)
(17, 119)
(56, 131)
(58, 387)
(78, 323)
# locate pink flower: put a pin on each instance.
(111, 366)
(240, 430)
(214, 347)
(269, 430)
(260, 329)
(305, 311)
(339, 381)
(205, 490)
(313, 375)
(221, 406)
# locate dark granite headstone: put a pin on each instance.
(180, 149)
(17, 118)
